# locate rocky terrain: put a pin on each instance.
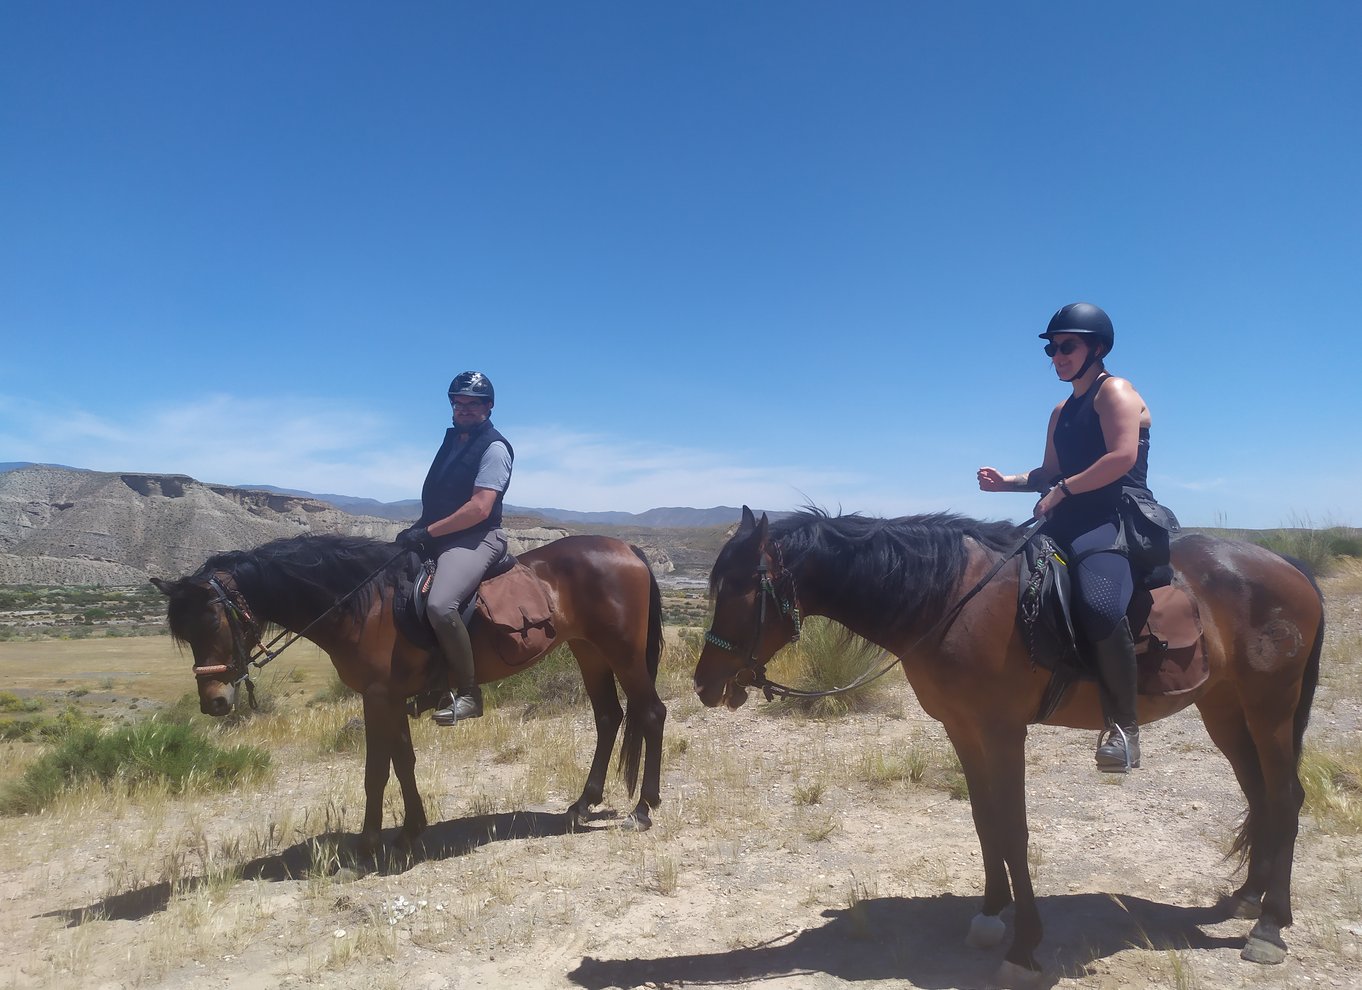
(60, 526)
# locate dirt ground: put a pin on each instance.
(781, 858)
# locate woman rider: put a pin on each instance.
(1097, 446)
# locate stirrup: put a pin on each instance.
(457, 707)
(1120, 752)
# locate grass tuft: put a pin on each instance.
(147, 754)
(828, 657)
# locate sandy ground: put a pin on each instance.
(777, 860)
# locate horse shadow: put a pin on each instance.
(337, 854)
(921, 939)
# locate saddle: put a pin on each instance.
(510, 602)
(1170, 649)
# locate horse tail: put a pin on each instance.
(1301, 718)
(1310, 676)
(631, 749)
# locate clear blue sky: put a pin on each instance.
(709, 253)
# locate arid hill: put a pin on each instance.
(64, 526)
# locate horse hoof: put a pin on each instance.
(985, 931)
(636, 823)
(1263, 951)
(1010, 976)
(575, 821)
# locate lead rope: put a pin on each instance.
(770, 688)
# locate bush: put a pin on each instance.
(1320, 549)
(828, 657)
(553, 684)
(145, 754)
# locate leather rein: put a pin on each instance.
(754, 669)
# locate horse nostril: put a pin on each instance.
(217, 707)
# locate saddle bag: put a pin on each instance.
(518, 614)
(1146, 531)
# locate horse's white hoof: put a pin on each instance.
(1010, 976)
(985, 931)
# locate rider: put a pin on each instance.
(460, 526)
(1096, 449)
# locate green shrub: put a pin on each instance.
(11, 702)
(1321, 549)
(553, 684)
(828, 657)
(149, 753)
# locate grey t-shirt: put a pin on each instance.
(494, 470)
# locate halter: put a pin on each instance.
(788, 608)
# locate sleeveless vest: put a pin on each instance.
(1079, 443)
(449, 482)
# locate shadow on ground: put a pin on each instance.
(335, 854)
(921, 939)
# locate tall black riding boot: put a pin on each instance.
(465, 699)
(1115, 657)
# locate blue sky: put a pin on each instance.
(709, 253)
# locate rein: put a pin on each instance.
(244, 654)
(771, 689)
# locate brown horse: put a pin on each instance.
(891, 580)
(607, 609)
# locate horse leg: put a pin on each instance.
(644, 723)
(378, 757)
(404, 765)
(993, 759)
(605, 707)
(1225, 724)
(1262, 754)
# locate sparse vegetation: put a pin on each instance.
(148, 753)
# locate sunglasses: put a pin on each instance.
(1066, 348)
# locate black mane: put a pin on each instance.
(303, 576)
(897, 569)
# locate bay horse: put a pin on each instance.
(607, 609)
(892, 581)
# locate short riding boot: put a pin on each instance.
(1118, 749)
(466, 704)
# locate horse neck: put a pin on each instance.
(858, 605)
(293, 615)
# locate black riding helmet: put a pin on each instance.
(472, 383)
(1085, 318)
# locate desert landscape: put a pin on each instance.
(790, 851)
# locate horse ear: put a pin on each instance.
(166, 588)
(763, 528)
(749, 522)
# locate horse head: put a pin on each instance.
(203, 614)
(752, 618)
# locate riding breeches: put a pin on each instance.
(1103, 582)
(458, 572)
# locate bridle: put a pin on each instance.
(753, 671)
(247, 649)
(753, 667)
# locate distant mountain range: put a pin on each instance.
(407, 510)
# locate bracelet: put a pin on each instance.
(1063, 485)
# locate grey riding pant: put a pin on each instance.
(457, 574)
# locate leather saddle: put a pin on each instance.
(1170, 649)
(511, 602)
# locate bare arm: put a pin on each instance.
(472, 512)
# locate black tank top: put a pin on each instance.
(449, 482)
(1079, 443)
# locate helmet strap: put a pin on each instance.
(1092, 359)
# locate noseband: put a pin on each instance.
(245, 640)
(753, 671)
